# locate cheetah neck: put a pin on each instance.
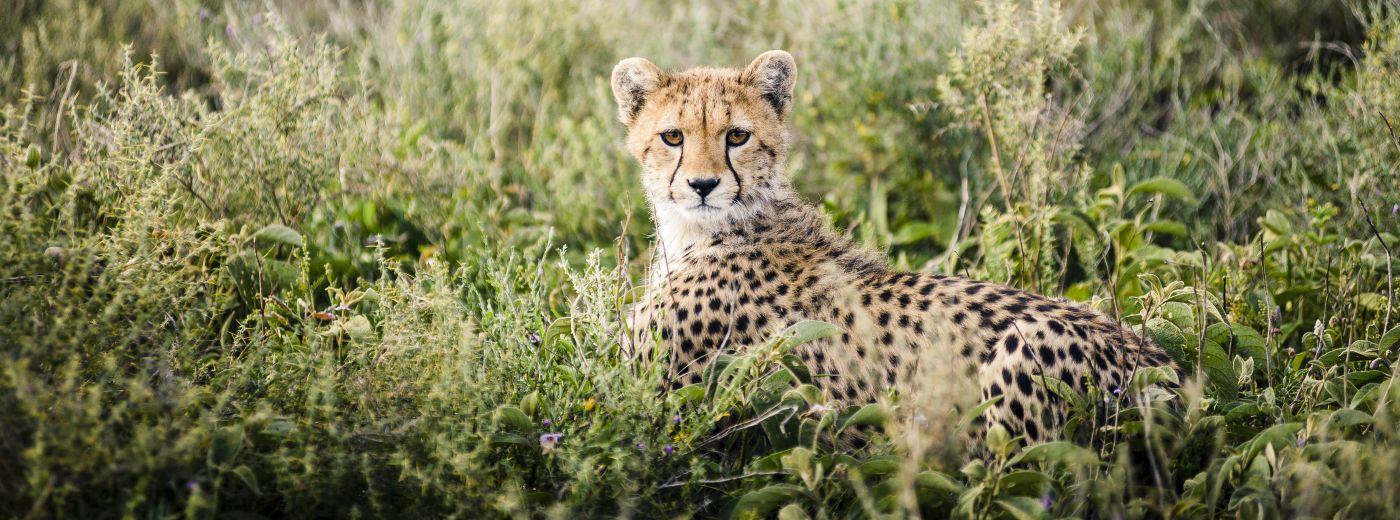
(679, 240)
(675, 239)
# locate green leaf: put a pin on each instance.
(938, 480)
(530, 403)
(1274, 221)
(1362, 377)
(1060, 452)
(1389, 340)
(1346, 417)
(974, 470)
(686, 394)
(245, 474)
(510, 438)
(560, 329)
(278, 234)
(1243, 339)
(792, 512)
(511, 418)
(805, 393)
(1242, 412)
(1167, 227)
(1169, 336)
(807, 330)
(758, 503)
(356, 327)
(999, 441)
(1165, 186)
(770, 462)
(1021, 508)
(1025, 483)
(1148, 376)
(224, 445)
(797, 460)
(1219, 369)
(868, 415)
(1278, 435)
(878, 466)
(977, 411)
(1181, 314)
(1063, 390)
(915, 231)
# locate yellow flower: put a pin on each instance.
(590, 404)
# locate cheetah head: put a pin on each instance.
(711, 142)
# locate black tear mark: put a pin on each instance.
(739, 190)
(671, 194)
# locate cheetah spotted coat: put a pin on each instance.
(731, 276)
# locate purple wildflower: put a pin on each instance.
(228, 30)
(547, 423)
(203, 14)
(676, 419)
(669, 449)
(1375, 363)
(1302, 441)
(1046, 501)
(549, 441)
(191, 485)
(641, 445)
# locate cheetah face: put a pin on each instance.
(711, 142)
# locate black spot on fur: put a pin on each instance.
(1012, 344)
(1023, 383)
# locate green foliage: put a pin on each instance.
(371, 260)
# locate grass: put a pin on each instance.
(316, 259)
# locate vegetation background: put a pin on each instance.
(326, 258)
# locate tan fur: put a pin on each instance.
(755, 258)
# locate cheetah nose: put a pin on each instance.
(703, 187)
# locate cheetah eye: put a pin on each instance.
(737, 137)
(672, 137)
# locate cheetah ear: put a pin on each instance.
(773, 73)
(633, 79)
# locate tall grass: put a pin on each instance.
(317, 259)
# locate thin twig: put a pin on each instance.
(1389, 276)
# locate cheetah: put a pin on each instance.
(738, 256)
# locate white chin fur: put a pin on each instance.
(680, 225)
